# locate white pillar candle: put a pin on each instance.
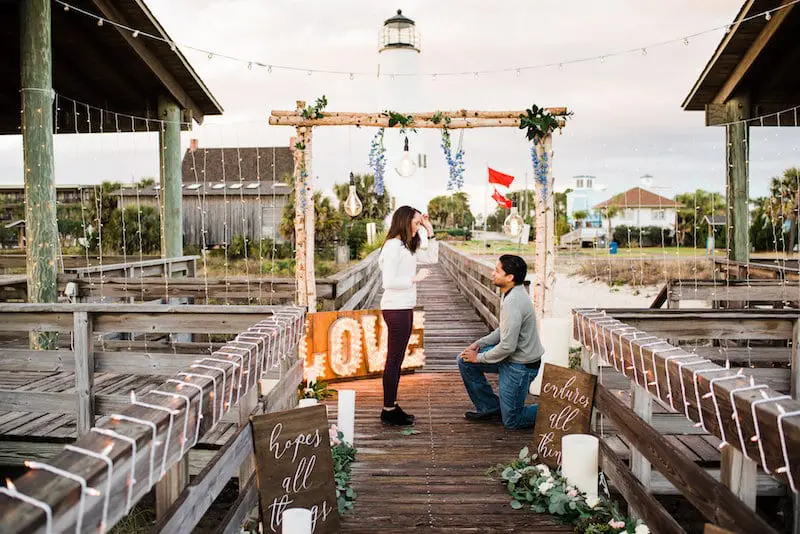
(296, 521)
(311, 377)
(347, 414)
(579, 455)
(304, 403)
(555, 334)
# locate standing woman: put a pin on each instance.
(406, 244)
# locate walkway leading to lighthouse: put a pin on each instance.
(435, 480)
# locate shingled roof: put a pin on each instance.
(248, 164)
(638, 198)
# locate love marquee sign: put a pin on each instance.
(350, 344)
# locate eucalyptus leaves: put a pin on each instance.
(315, 111)
(543, 490)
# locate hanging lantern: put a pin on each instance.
(513, 224)
(353, 206)
(407, 167)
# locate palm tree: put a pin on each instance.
(610, 212)
(580, 215)
(785, 195)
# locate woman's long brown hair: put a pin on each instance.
(401, 228)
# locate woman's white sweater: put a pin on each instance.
(398, 267)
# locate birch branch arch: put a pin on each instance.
(461, 119)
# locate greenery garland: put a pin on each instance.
(405, 121)
(543, 490)
(377, 161)
(344, 455)
(315, 111)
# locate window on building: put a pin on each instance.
(579, 183)
(659, 215)
(589, 183)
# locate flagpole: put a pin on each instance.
(485, 205)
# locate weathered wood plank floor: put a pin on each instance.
(433, 481)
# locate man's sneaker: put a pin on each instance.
(396, 417)
(408, 415)
(493, 415)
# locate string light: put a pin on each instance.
(11, 491)
(172, 413)
(132, 475)
(103, 457)
(150, 424)
(684, 39)
(85, 489)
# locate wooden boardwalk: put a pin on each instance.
(434, 481)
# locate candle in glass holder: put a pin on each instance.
(296, 521)
(579, 455)
(347, 414)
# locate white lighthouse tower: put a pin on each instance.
(398, 66)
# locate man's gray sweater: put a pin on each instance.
(517, 337)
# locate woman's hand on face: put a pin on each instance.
(426, 222)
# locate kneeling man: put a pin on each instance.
(513, 351)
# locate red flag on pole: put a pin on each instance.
(501, 200)
(497, 177)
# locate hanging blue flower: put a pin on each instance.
(377, 160)
(455, 163)
(540, 167)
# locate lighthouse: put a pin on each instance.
(398, 66)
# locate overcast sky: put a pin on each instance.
(628, 120)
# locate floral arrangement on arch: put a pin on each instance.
(377, 160)
(543, 490)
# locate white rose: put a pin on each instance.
(592, 501)
(544, 487)
(641, 529)
(544, 470)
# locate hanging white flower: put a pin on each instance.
(641, 529)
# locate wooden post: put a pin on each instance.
(739, 474)
(737, 177)
(299, 213)
(37, 148)
(84, 370)
(169, 142)
(304, 218)
(247, 404)
(169, 488)
(311, 278)
(544, 257)
(642, 404)
(794, 390)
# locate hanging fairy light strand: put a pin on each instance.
(641, 50)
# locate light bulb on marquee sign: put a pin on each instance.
(354, 347)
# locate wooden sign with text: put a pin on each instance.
(565, 407)
(350, 344)
(294, 467)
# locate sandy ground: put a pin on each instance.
(575, 291)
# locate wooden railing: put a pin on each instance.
(474, 281)
(735, 405)
(355, 287)
(182, 265)
(758, 268)
(723, 293)
(157, 431)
